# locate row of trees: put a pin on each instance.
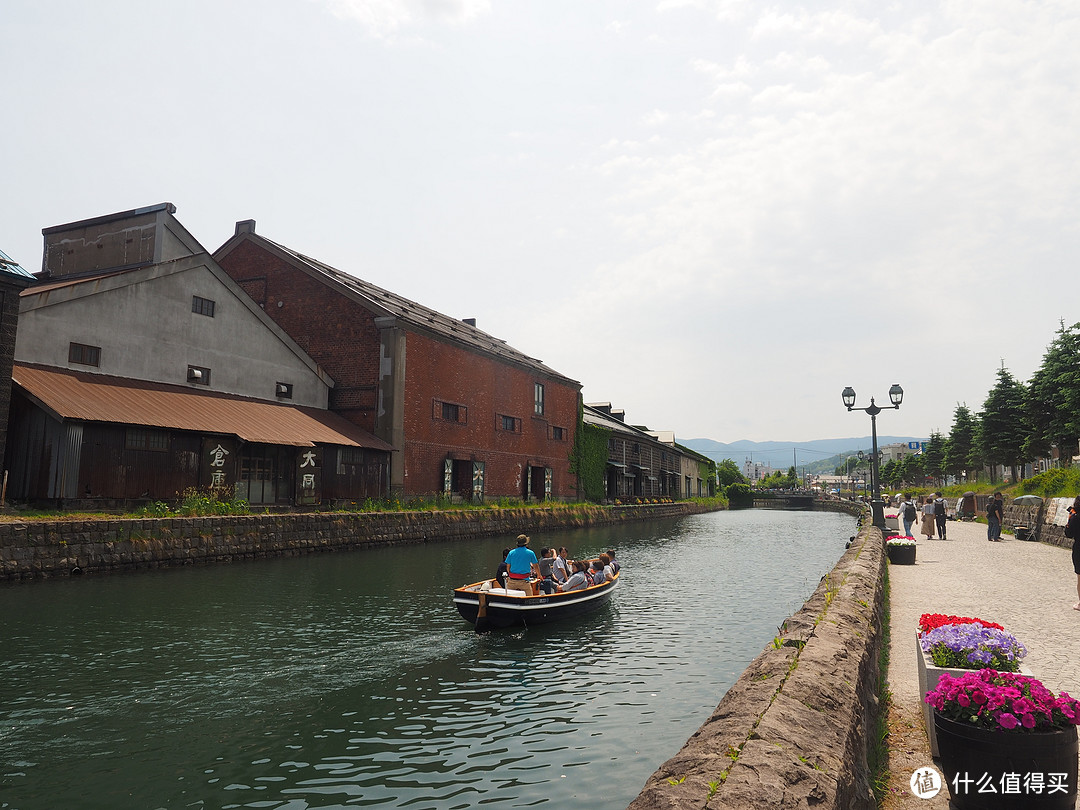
(1019, 423)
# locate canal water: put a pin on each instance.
(349, 680)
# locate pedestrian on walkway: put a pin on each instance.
(995, 513)
(941, 511)
(928, 518)
(908, 513)
(1072, 531)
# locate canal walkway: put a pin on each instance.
(1028, 588)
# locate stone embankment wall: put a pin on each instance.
(1047, 520)
(795, 729)
(46, 548)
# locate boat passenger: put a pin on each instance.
(609, 568)
(562, 568)
(577, 581)
(546, 562)
(521, 566)
(500, 572)
(596, 573)
(614, 563)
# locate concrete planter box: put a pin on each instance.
(928, 679)
(892, 523)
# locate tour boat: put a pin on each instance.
(488, 606)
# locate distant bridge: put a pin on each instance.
(784, 500)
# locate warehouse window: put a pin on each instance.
(84, 355)
(202, 306)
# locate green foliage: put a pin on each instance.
(1003, 426)
(934, 456)
(1053, 402)
(739, 492)
(728, 473)
(588, 460)
(961, 453)
(1057, 483)
(198, 503)
(219, 501)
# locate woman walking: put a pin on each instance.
(928, 522)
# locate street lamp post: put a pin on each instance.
(896, 396)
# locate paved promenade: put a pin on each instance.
(1029, 588)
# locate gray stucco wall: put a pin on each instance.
(147, 331)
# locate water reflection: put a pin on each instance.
(349, 680)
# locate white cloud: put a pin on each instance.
(382, 17)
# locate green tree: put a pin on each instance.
(1053, 404)
(961, 454)
(891, 473)
(934, 456)
(728, 473)
(1003, 424)
(912, 469)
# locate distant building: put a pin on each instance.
(142, 369)
(898, 451)
(755, 471)
(467, 415)
(648, 464)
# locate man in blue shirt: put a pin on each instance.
(521, 564)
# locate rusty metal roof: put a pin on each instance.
(86, 397)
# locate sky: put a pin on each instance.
(714, 214)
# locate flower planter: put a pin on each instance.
(901, 555)
(929, 674)
(892, 523)
(1012, 764)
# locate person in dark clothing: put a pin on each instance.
(500, 572)
(1072, 531)
(940, 514)
(995, 513)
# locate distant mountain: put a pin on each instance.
(817, 455)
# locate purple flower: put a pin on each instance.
(966, 646)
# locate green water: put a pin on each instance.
(349, 680)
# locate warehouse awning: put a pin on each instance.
(85, 397)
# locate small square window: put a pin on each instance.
(198, 375)
(84, 355)
(449, 412)
(510, 424)
(558, 434)
(202, 306)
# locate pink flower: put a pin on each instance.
(1007, 720)
(1028, 720)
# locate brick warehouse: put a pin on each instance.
(466, 414)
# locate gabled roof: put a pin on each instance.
(78, 286)
(594, 416)
(388, 304)
(84, 397)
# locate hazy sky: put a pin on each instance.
(714, 214)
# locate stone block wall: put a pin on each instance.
(48, 548)
(795, 729)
